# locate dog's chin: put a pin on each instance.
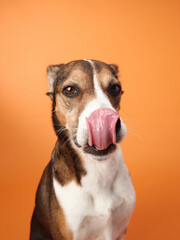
(99, 154)
(92, 151)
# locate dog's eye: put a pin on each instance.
(114, 89)
(71, 91)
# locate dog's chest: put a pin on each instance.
(102, 206)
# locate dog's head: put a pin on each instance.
(86, 98)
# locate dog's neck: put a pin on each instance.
(101, 173)
(67, 163)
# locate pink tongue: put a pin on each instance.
(102, 128)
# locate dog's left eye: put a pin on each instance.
(114, 89)
(71, 91)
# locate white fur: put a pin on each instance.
(100, 209)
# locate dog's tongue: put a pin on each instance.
(102, 128)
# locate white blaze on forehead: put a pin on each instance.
(100, 95)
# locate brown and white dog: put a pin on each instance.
(85, 192)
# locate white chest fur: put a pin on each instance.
(101, 208)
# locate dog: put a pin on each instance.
(85, 192)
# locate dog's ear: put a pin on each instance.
(52, 71)
(115, 69)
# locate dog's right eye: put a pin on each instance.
(71, 91)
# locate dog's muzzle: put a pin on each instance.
(103, 126)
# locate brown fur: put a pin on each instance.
(67, 234)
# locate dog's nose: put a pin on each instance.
(118, 125)
(103, 126)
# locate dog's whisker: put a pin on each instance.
(135, 134)
(60, 131)
(137, 131)
(70, 138)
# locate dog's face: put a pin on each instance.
(86, 98)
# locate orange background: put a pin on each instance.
(143, 38)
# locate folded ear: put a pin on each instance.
(115, 69)
(52, 71)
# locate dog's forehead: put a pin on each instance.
(99, 66)
(81, 68)
(74, 66)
